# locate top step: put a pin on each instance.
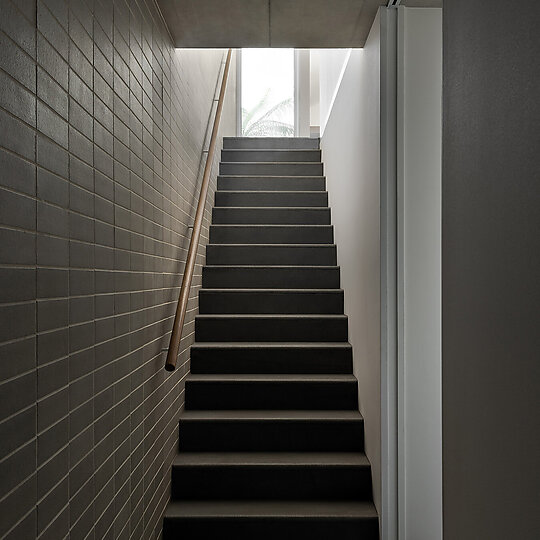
(270, 143)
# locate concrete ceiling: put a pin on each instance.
(269, 23)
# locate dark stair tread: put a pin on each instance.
(273, 192)
(285, 168)
(246, 182)
(271, 357)
(249, 215)
(287, 246)
(272, 266)
(271, 327)
(270, 316)
(271, 143)
(276, 245)
(272, 149)
(231, 290)
(271, 234)
(271, 155)
(273, 162)
(251, 290)
(271, 391)
(272, 508)
(280, 459)
(243, 301)
(277, 377)
(270, 344)
(271, 176)
(308, 168)
(277, 277)
(295, 253)
(270, 198)
(266, 208)
(271, 415)
(247, 430)
(270, 225)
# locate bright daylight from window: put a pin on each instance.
(268, 92)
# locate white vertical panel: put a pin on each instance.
(419, 272)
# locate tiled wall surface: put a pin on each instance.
(102, 125)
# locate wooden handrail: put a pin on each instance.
(183, 298)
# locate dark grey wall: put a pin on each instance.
(491, 270)
(102, 126)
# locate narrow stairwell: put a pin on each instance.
(271, 439)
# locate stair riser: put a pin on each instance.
(271, 436)
(273, 395)
(271, 482)
(270, 360)
(277, 329)
(321, 255)
(272, 169)
(271, 216)
(271, 302)
(271, 528)
(271, 183)
(271, 199)
(264, 277)
(321, 234)
(265, 143)
(270, 156)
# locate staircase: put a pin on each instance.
(271, 440)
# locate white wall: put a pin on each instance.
(419, 271)
(357, 145)
(314, 94)
(332, 65)
(301, 92)
(351, 154)
(359, 151)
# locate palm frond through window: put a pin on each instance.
(266, 120)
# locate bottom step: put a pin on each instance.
(265, 520)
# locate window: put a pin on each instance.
(267, 92)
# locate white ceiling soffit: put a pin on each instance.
(269, 23)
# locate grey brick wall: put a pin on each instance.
(102, 127)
